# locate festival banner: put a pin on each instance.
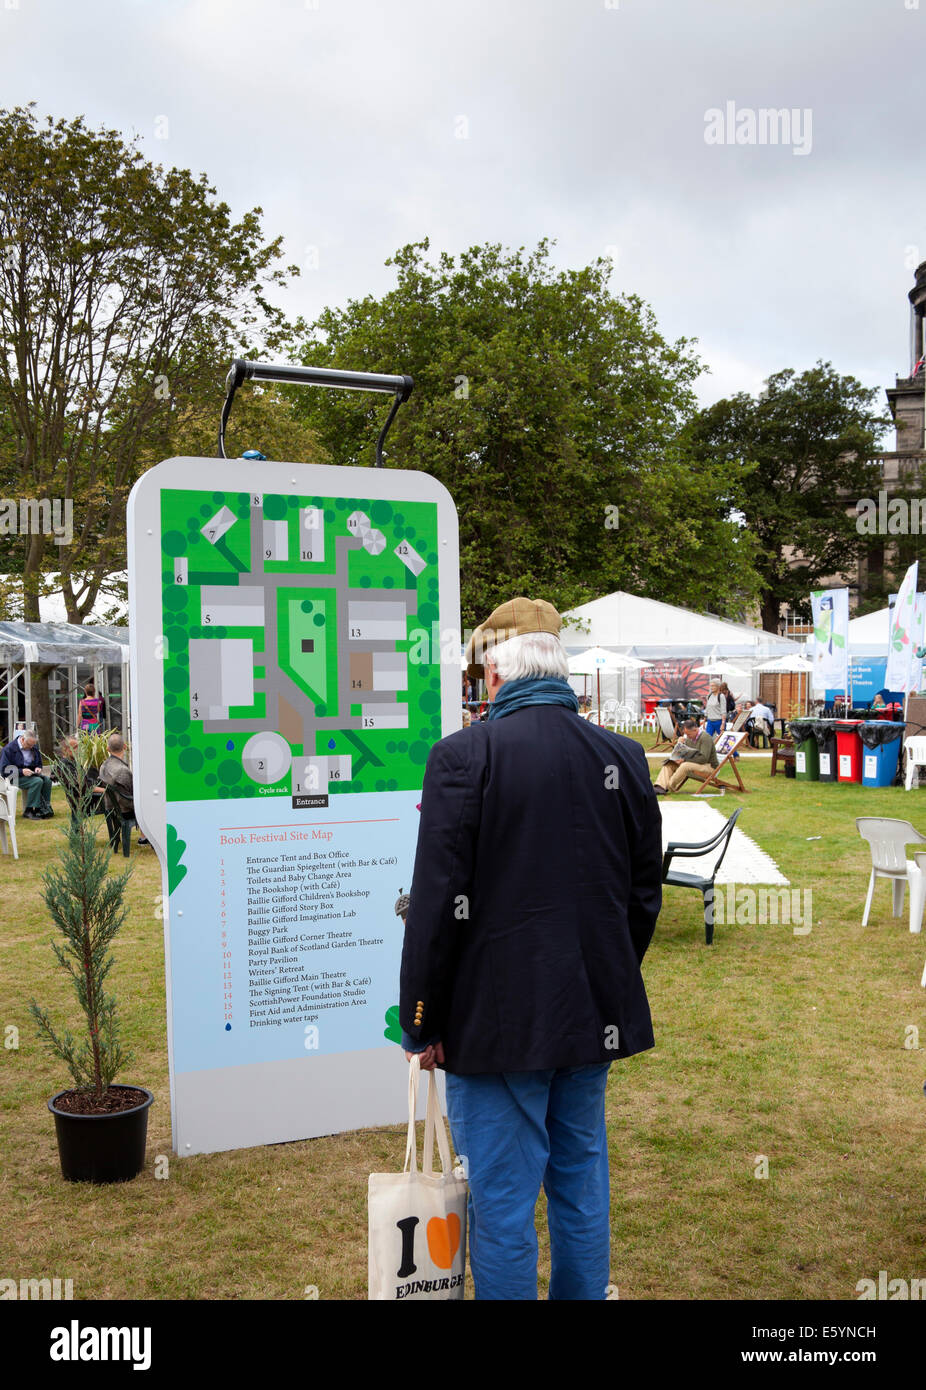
(674, 678)
(831, 638)
(901, 643)
(919, 636)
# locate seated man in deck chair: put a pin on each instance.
(693, 756)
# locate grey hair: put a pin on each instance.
(115, 742)
(529, 654)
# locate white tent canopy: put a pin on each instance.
(67, 648)
(661, 631)
(60, 644)
(870, 630)
(627, 620)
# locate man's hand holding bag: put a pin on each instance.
(417, 1221)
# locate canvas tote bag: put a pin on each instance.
(417, 1221)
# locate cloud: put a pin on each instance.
(359, 126)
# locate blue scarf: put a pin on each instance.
(533, 690)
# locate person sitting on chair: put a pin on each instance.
(22, 761)
(116, 776)
(760, 724)
(81, 785)
(693, 756)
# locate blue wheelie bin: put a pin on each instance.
(881, 744)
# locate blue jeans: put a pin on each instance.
(519, 1131)
(714, 726)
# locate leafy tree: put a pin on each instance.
(124, 288)
(798, 458)
(550, 409)
(262, 419)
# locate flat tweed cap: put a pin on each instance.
(515, 618)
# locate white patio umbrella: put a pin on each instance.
(791, 665)
(596, 660)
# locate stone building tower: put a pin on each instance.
(904, 467)
(906, 398)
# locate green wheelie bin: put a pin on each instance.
(806, 753)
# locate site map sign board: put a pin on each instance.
(288, 682)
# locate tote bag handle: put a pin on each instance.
(434, 1126)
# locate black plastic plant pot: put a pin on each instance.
(102, 1148)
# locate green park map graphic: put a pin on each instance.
(300, 644)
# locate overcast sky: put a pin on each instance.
(360, 125)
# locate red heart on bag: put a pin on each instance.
(443, 1239)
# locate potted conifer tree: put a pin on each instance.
(101, 1126)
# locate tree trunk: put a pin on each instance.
(771, 612)
(41, 711)
(32, 578)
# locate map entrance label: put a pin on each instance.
(295, 654)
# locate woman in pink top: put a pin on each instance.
(90, 710)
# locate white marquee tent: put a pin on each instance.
(627, 620)
(78, 654)
(654, 631)
(870, 630)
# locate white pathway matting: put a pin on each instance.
(692, 822)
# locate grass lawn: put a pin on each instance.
(768, 1044)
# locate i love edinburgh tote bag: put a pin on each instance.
(417, 1221)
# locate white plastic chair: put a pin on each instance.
(604, 716)
(8, 791)
(609, 712)
(887, 840)
(624, 717)
(918, 894)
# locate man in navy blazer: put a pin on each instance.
(21, 760)
(537, 884)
